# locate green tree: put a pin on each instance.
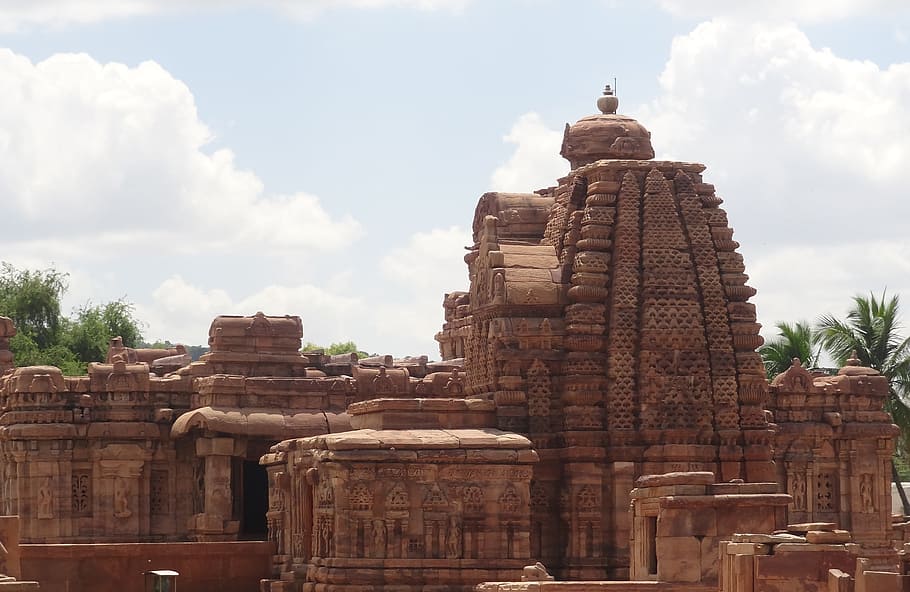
(31, 298)
(871, 331)
(342, 347)
(798, 340)
(90, 333)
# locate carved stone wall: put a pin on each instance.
(833, 452)
(402, 509)
(620, 340)
(78, 454)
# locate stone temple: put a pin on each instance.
(600, 417)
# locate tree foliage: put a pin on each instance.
(798, 340)
(32, 299)
(89, 333)
(343, 347)
(871, 331)
(45, 336)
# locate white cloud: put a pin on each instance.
(396, 311)
(810, 11)
(536, 162)
(808, 150)
(803, 282)
(428, 266)
(16, 15)
(795, 135)
(118, 154)
(182, 312)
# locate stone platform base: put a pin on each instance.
(16, 586)
(119, 567)
(604, 586)
(398, 575)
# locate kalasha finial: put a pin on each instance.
(608, 102)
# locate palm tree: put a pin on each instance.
(871, 332)
(795, 341)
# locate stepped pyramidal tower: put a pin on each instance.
(608, 317)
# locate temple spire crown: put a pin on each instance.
(608, 102)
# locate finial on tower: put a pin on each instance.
(608, 102)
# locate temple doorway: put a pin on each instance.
(255, 501)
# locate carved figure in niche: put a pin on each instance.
(46, 499)
(586, 499)
(326, 497)
(382, 383)
(866, 497)
(121, 498)
(499, 288)
(380, 536)
(798, 491)
(453, 539)
(297, 545)
(546, 332)
(217, 340)
(325, 538)
(509, 501)
(455, 383)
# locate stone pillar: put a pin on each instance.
(117, 499)
(215, 523)
(623, 482)
(584, 553)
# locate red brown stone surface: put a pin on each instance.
(606, 339)
(619, 339)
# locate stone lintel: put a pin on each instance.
(678, 478)
(713, 501)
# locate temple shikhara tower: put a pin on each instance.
(618, 335)
(600, 413)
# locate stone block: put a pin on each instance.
(748, 548)
(215, 447)
(683, 522)
(828, 537)
(679, 478)
(796, 566)
(678, 559)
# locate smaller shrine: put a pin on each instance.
(421, 493)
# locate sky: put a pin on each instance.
(323, 158)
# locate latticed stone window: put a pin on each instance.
(158, 502)
(361, 497)
(824, 499)
(82, 493)
(473, 499)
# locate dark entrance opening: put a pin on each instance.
(253, 525)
